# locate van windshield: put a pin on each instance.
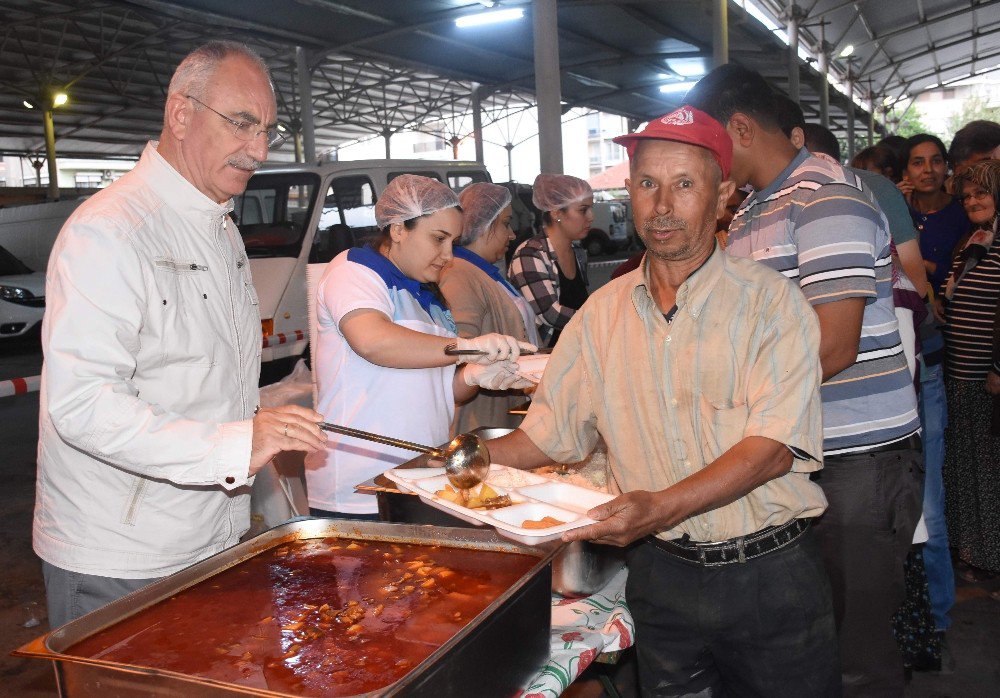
(274, 212)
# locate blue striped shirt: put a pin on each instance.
(817, 225)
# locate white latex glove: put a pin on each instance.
(496, 376)
(497, 347)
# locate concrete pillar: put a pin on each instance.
(548, 89)
(50, 155)
(477, 122)
(720, 33)
(793, 51)
(304, 78)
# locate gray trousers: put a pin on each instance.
(864, 537)
(70, 595)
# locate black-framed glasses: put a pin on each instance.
(246, 131)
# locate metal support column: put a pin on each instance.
(793, 51)
(824, 80)
(548, 89)
(720, 33)
(304, 77)
(510, 161)
(50, 154)
(850, 114)
(871, 114)
(477, 122)
(387, 135)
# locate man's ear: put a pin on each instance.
(726, 189)
(741, 129)
(177, 115)
(798, 137)
(628, 186)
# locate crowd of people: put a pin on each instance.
(789, 405)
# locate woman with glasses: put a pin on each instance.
(383, 328)
(481, 300)
(972, 379)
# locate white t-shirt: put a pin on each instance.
(415, 404)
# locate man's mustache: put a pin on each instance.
(664, 223)
(245, 162)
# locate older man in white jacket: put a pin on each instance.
(149, 438)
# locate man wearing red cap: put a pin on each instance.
(701, 373)
(818, 225)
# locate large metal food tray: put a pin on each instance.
(482, 652)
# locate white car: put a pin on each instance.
(22, 296)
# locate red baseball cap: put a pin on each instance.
(686, 125)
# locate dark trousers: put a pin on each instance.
(864, 537)
(760, 628)
(70, 595)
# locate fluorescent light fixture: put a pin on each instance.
(848, 50)
(281, 127)
(59, 99)
(28, 105)
(481, 18)
(675, 87)
(688, 67)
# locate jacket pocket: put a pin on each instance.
(134, 501)
(180, 311)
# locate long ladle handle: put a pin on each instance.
(378, 438)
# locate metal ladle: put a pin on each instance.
(466, 458)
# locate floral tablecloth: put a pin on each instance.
(581, 630)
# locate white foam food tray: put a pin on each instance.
(533, 497)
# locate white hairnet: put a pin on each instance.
(555, 191)
(481, 203)
(411, 196)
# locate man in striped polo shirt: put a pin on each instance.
(814, 222)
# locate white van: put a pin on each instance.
(291, 216)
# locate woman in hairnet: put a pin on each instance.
(383, 327)
(481, 300)
(547, 269)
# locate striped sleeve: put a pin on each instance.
(836, 232)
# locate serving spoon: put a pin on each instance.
(466, 458)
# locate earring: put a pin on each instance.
(558, 220)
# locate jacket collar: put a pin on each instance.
(176, 192)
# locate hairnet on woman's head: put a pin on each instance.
(411, 196)
(481, 203)
(555, 191)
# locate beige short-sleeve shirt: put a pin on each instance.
(740, 358)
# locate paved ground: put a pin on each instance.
(975, 637)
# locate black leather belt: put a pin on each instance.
(739, 549)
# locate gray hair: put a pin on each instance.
(196, 70)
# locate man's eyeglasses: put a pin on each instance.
(978, 195)
(246, 131)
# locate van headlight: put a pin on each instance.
(16, 294)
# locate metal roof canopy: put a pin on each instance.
(381, 66)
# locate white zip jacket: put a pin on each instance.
(152, 344)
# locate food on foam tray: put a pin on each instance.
(481, 496)
(324, 617)
(544, 522)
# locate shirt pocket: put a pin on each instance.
(723, 408)
(185, 323)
